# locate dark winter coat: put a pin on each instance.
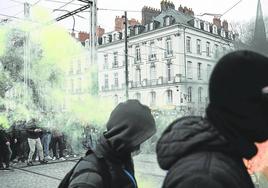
(196, 155)
(31, 133)
(3, 139)
(130, 124)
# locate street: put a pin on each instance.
(48, 176)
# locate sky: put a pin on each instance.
(242, 12)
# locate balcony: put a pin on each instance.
(156, 82)
(137, 61)
(168, 54)
(152, 57)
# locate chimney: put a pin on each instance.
(180, 9)
(82, 36)
(225, 25)
(73, 34)
(217, 22)
(100, 31)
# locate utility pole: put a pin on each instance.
(26, 57)
(126, 53)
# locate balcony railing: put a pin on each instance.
(137, 61)
(155, 82)
(152, 57)
(168, 54)
(113, 87)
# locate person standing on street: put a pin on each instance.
(34, 134)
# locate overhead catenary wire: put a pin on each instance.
(67, 3)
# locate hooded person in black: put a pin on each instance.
(129, 125)
(208, 152)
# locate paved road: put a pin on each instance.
(48, 176)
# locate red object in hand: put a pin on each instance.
(259, 161)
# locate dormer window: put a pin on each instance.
(146, 27)
(197, 23)
(214, 29)
(223, 34)
(114, 37)
(231, 36)
(206, 26)
(151, 26)
(167, 21)
(136, 30)
(105, 40)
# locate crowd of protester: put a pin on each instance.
(27, 142)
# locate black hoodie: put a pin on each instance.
(129, 125)
(196, 155)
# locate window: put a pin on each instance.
(72, 85)
(199, 71)
(189, 94)
(206, 27)
(115, 64)
(138, 53)
(79, 85)
(208, 71)
(106, 81)
(216, 50)
(105, 65)
(188, 44)
(116, 99)
(214, 29)
(116, 79)
(169, 72)
(79, 67)
(137, 96)
(223, 34)
(152, 54)
(169, 97)
(189, 70)
(197, 23)
(208, 49)
(200, 90)
(152, 98)
(104, 39)
(151, 25)
(136, 30)
(168, 46)
(198, 46)
(167, 21)
(152, 73)
(138, 75)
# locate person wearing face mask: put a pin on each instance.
(110, 164)
(208, 152)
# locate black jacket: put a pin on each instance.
(129, 125)
(3, 139)
(32, 134)
(197, 156)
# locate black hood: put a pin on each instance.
(237, 107)
(129, 125)
(188, 135)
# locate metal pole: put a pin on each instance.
(126, 53)
(26, 51)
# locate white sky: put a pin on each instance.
(244, 11)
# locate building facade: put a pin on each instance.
(169, 60)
